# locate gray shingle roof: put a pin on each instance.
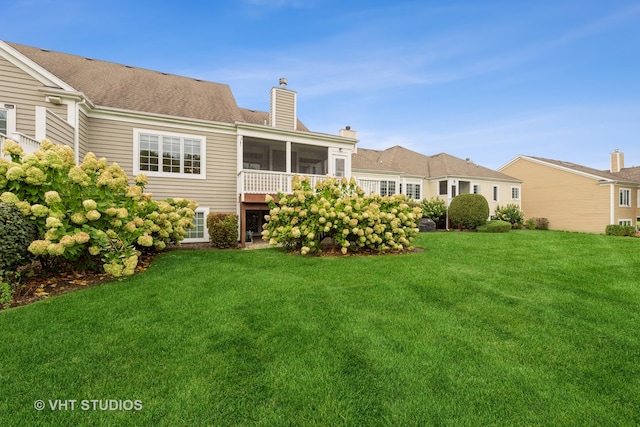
(404, 161)
(109, 84)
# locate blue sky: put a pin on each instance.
(486, 80)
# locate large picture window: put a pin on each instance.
(169, 154)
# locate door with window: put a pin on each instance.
(340, 165)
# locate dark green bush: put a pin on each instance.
(468, 211)
(16, 234)
(620, 230)
(530, 224)
(223, 229)
(510, 213)
(495, 226)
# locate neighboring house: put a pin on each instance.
(187, 135)
(398, 170)
(578, 198)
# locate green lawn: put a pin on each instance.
(523, 328)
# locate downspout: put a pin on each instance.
(76, 132)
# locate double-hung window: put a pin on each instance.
(625, 197)
(169, 154)
(515, 193)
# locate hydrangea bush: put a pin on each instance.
(88, 214)
(338, 208)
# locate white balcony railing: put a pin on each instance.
(270, 182)
(28, 144)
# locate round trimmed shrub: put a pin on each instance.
(468, 211)
(17, 233)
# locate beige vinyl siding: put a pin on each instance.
(283, 107)
(570, 201)
(218, 192)
(58, 130)
(19, 88)
(625, 212)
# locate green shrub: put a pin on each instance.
(468, 211)
(338, 209)
(6, 295)
(620, 230)
(223, 229)
(16, 234)
(530, 224)
(510, 213)
(89, 215)
(435, 209)
(495, 226)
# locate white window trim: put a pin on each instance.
(515, 188)
(476, 185)
(136, 154)
(205, 237)
(11, 117)
(621, 221)
(395, 186)
(404, 189)
(628, 190)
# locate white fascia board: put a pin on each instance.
(32, 68)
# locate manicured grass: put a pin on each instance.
(521, 328)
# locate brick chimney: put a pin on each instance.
(617, 161)
(283, 107)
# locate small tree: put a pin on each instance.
(468, 211)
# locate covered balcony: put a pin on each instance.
(268, 166)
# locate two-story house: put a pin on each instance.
(187, 135)
(579, 198)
